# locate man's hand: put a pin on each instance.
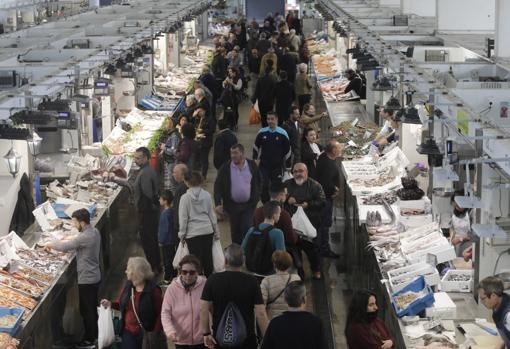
(48, 247)
(304, 205)
(106, 303)
(387, 344)
(291, 200)
(219, 210)
(209, 341)
(257, 162)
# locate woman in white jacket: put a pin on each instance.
(198, 225)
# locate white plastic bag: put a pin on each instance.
(218, 256)
(256, 106)
(182, 250)
(302, 224)
(106, 334)
(287, 175)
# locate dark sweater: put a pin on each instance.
(367, 336)
(224, 141)
(295, 141)
(295, 330)
(271, 147)
(310, 192)
(222, 185)
(328, 174)
(284, 224)
(309, 158)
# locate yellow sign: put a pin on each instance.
(463, 122)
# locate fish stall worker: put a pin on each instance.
(460, 227)
(390, 136)
(355, 83)
(491, 294)
(87, 246)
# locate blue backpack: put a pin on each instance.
(231, 331)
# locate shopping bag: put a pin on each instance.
(287, 175)
(106, 333)
(254, 117)
(256, 106)
(182, 250)
(218, 257)
(302, 224)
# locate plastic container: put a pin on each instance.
(447, 285)
(18, 312)
(60, 208)
(443, 308)
(429, 272)
(419, 304)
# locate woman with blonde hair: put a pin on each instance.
(139, 303)
(273, 286)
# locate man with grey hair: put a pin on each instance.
(178, 174)
(491, 294)
(295, 328)
(232, 287)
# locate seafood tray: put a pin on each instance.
(10, 319)
(17, 297)
(371, 183)
(457, 281)
(7, 342)
(413, 298)
(399, 278)
(377, 199)
(31, 273)
(47, 267)
(21, 286)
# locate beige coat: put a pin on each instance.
(310, 121)
(303, 85)
(271, 286)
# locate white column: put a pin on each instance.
(424, 8)
(465, 16)
(501, 46)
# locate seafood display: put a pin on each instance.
(377, 199)
(24, 287)
(370, 183)
(326, 65)
(30, 273)
(405, 299)
(8, 320)
(7, 342)
(17, 297)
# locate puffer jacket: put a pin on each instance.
(196, 214)
(180, 313)
(271, 286)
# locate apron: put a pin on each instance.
(462, 227)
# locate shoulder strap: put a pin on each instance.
(134, 308)
(280, 293)
(265, 230)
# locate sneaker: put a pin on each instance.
(330, 254)
(85, 345)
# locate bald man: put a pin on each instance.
(178, 175)
(307, 193)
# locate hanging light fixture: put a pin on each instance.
(13, 161)
(34, 144)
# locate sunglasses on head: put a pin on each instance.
(190, 272)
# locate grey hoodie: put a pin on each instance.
(196, 214)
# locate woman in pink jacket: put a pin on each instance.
(180, 314)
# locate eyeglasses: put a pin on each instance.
(189, 272)
(298, 171)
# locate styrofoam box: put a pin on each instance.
(443, 308)
(457, 286)
(443, 253)
(412, 204)
(430, 274)
(415, 221)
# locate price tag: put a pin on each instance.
(367, 134)
(352, 144)
(355, 122)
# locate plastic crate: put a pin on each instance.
(457, 286)
(60, 208)
(429, 272)
(418, 305)
(18, 312)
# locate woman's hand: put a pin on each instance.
(172, 336)
(209, 341)
(387, 344)
(106, 303)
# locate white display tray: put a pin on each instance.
(456, 286)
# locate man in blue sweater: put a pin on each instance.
(270, 151)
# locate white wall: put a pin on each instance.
(9, 186)
(477, 16)
(392, 3)
(425, 8)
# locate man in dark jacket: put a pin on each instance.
(205, 133)
(225, 139)
(263, 44)
(237, 192)
(284, 96)
(219, 68)
(291, 125)
(179, 172)
(264, 93)
(287, 62)
(209, 81)
(307, 193)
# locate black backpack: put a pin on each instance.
(231, 332)
(259, 251)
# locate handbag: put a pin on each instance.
(151, 339)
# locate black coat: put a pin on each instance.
(309, 158)
(264, 93)
(222, 185)
(219, 67)
(295, 141)
(287, 62)
(284, 97)
(22, 217)
(210, 82)
(224, 141)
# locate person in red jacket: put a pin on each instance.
(364, 330)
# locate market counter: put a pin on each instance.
(36, 330)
